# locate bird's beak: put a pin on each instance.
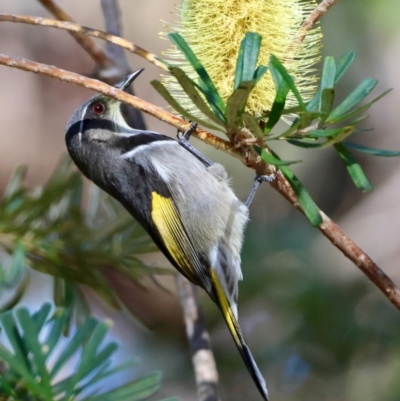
(126, 82)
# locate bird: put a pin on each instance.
(183, 200)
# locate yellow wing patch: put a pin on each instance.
(170, 228)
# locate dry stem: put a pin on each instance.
(72, 27)
(90, 46)
(314, 17)
(334, 234)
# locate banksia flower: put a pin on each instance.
(215, 28)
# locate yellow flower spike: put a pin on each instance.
(215, 28)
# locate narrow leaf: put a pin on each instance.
(287, 78)
(179, 42)
(323, 133)
(303, 144)
(359, 110)
(163, 91)
(247, 58)
(307, 204)
(271, 159)
(344, 63)
(15, 181)
(353, 167)
(355, 97)
(78, 340)
(326, 103)
(328, 73)
(191, 90)
(260, 72)
(252, 125)
(236, 104)
(31, 338)
(282, 90)
(372, 151)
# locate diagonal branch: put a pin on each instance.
(315, 16)
(333, 232)
(72, 27)
(88, 44)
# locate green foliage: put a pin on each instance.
(50, 231)
(28, 374)
(317, 123)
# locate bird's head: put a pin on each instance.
(99, 119)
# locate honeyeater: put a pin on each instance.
(182, 200)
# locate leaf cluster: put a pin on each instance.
(31, 367)
(316, 124)
(50, 230)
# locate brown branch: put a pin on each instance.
(312, 19)
(89, 45)
(334, 234)
(111, 91)
(72, 27)
(205, 369)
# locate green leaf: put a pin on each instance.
(252, 125)
(15, 182)
(323, 133)
(372, 151)
(359, 110)
(274, 62)
(41, 316)
(16, 266)
(205, 79)
(31, 338)
(89, 358)
(134, 391)
(237, 103)
(282, 90)
(192, 91)
(303, 144)
(15, 339)
(58, 323)
(328, 73)
(163, 91)
(247, 58)
(344, 63)
(260, 72)
(271, 159)
(310, 209)
(79, 339)
(355, 97)
(326, 103)
(353, 167)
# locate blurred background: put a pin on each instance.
(317, 327)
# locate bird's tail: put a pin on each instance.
(237, 335)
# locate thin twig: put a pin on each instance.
(110, 91)
(88, 44)
(119, 66)
(311, 20)
(72, 27)
(205, 369)
(328, 227)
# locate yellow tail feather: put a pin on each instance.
(237, 335)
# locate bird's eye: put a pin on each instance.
(99, 108)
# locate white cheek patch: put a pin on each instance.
(81, 123)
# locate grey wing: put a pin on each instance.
(213, 217)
